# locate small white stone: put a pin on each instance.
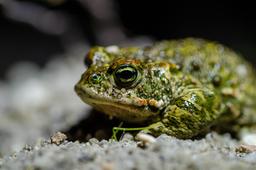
(249, 139)
(145, 138)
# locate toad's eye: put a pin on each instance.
(126, 76)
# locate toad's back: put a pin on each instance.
(216, 66)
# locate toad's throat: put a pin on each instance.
(125, 112)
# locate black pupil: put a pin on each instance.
(126, 74)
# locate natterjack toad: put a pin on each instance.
(179, 87)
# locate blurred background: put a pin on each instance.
(36, 30)
(43, 44)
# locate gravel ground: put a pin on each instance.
(212, 152)
(35, 103)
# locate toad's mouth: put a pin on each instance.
(115, 108)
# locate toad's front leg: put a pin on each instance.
(188, 115)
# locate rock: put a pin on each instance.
(58, 138)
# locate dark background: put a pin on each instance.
(94, 22)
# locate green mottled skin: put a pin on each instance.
(183, 87)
